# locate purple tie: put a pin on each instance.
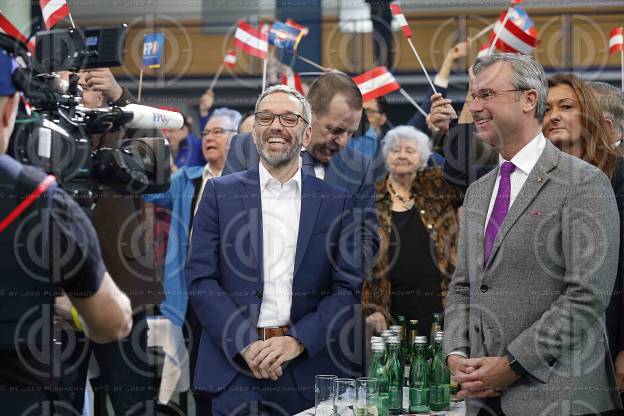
(501, 206)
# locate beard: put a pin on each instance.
(278, 159)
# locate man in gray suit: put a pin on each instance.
(536, 263)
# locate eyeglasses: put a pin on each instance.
(264, 118)
(217, 131)
(488, 95)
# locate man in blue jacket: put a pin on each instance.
(269, 274)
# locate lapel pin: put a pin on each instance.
(536, 213)
(539, 179)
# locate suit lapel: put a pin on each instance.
(310, 203)
(253, 208)
(535, 181)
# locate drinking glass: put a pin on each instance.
(366, 390)
(344, 396)
(324, 395)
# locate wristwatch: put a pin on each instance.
(515, 365)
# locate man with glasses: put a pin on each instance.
(536, 262)
(267, 273)
(376, 114)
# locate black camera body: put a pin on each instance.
(56, 133)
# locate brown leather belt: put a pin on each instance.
(272, 331)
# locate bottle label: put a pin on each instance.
(406, 372)
(406, 399)
(440, 397)
(396, 398)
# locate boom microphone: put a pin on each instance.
(144, 117)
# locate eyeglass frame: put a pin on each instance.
(494, 94)
(279, 116)
(207, 132)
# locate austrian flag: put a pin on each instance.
(293, 80)
(376, 82)
(9, 29)
(53, 11)
(616, 40)
(512, 38)
(398, 14)
(230, 59)
(251, 40)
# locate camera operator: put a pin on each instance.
(48, 246)
(125, 374)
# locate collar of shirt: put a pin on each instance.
(208, 173)
(268, 182)
(527, 157)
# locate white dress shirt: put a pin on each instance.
(207, 173)
(281, 210)
(524, 161)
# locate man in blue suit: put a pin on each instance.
(271, 273)
(336, 105)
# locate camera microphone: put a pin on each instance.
(144, 117)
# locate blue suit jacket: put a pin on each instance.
(225, 282)
(349, 169)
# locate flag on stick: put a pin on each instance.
(285, 37)
(483, 50)
(230, 59)
(398, 14)
(292, 79)
(305, 30)
(616, 40)
(53, 11)
(9, 29)
(376, 82)
(251, 40)
(509, 37)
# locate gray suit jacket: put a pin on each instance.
(543, 293)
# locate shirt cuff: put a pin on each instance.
(441, 82)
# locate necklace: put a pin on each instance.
(408, 203)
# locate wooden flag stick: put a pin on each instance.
(264, 74)
(408, 98)
(421, 65)
(216, 77)
(140, 85)
(71, 20)
(314, 64)
(482, 32)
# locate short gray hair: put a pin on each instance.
(526, 75)
(411, 134)
(611, 102)
(307, 112)
(232, 115)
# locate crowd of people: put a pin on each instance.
(296, 231)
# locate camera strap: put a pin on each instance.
(28, 201)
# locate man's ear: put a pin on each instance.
(307, 139)
(530, 101)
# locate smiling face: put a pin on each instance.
(276, 144)
(563, 122)
(331, 132)
(495, 107)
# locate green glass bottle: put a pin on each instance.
(395, 375)
(378, 371)
(439, 392)
(419, 378)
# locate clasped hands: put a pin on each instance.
(265, 358)
(481, 377)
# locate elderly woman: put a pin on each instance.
(417, 216)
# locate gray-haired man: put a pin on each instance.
(537, 259)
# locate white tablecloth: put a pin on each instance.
(175, 374)
(457, 409)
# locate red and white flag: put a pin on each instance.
(512, 38)
(230, 59)
(398, 14)
(304, 29)
(53, 11)
(9, 29)
(293, 80)
(483, 50)
(376, 82)
(251, 40)
(616, 40)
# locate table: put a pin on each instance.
(457, 409)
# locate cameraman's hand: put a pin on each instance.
(62, 312)
(102, 79)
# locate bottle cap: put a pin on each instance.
(420, 340)
(394, 340)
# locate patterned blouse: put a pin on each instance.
(438, 202)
